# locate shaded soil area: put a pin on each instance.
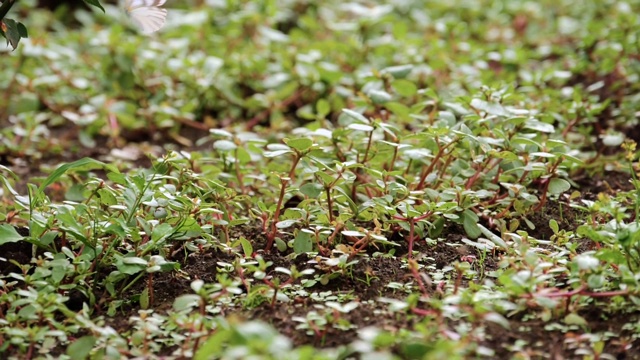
(369, 280)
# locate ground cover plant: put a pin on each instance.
(322, 180)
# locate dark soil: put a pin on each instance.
(535, 337)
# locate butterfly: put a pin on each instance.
(146, 14)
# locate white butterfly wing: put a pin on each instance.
(147, 14)
(141, 3)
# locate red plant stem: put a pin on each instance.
(497, 197)
(456, 286)
(366, 152)
(480, 171)
(429, 169)
(424, 312)
(273, 299)
(359, 246)
(413, 266)
(423, 216)
(524, 175)
(546, 183)
(329, 203)
(606, 293)
(543, 198)
(443, 169)
(203, 309)
(570, 126)
(354, 188)
(505, 211)
(296, 160)
(276, 288)
(361, 179)
(272, 235)
(411, 234)
(264, 217)
(412, 222)
(29, 354)
(497, 177)
(150, 285)
(334, 234)
(240, 272)
(390, 166)
(317, 332)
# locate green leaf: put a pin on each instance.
(323, 108)
(8, 234)
(575, 319)
(415, 350)
(135, 261)
(220, 132)
(355, 115)
(398, 109)
(498, 319)
(276, 153)
(23, 31)
(243, 156)
(80, 349)
(379, 97)
(470, 224)
(404, 88)
(302, 243)
(281, 245)
(13, 31)
(436, 228)
(78, 165)
(75, 193)
(224, 145)
(398, 71)
(186, 302)
(360, 127)
(212, 348)
(596, 281)
(300, 144)
(507, 155)
(69, 223)
(247, 248)
(95, 3)
(4, 180)
(540, 126)
(558, 186)
(131, 266)
(107, 197)
(493, 237)
(286, 223)
(325, 178)
(161, 232)
(144, 298)
(312, 190)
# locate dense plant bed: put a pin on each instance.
(319, 181)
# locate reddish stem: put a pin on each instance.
(424, 312)
(150, 285)
(272, 235)
(413, 266)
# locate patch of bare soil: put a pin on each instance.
(609, 183)
(551, 340)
